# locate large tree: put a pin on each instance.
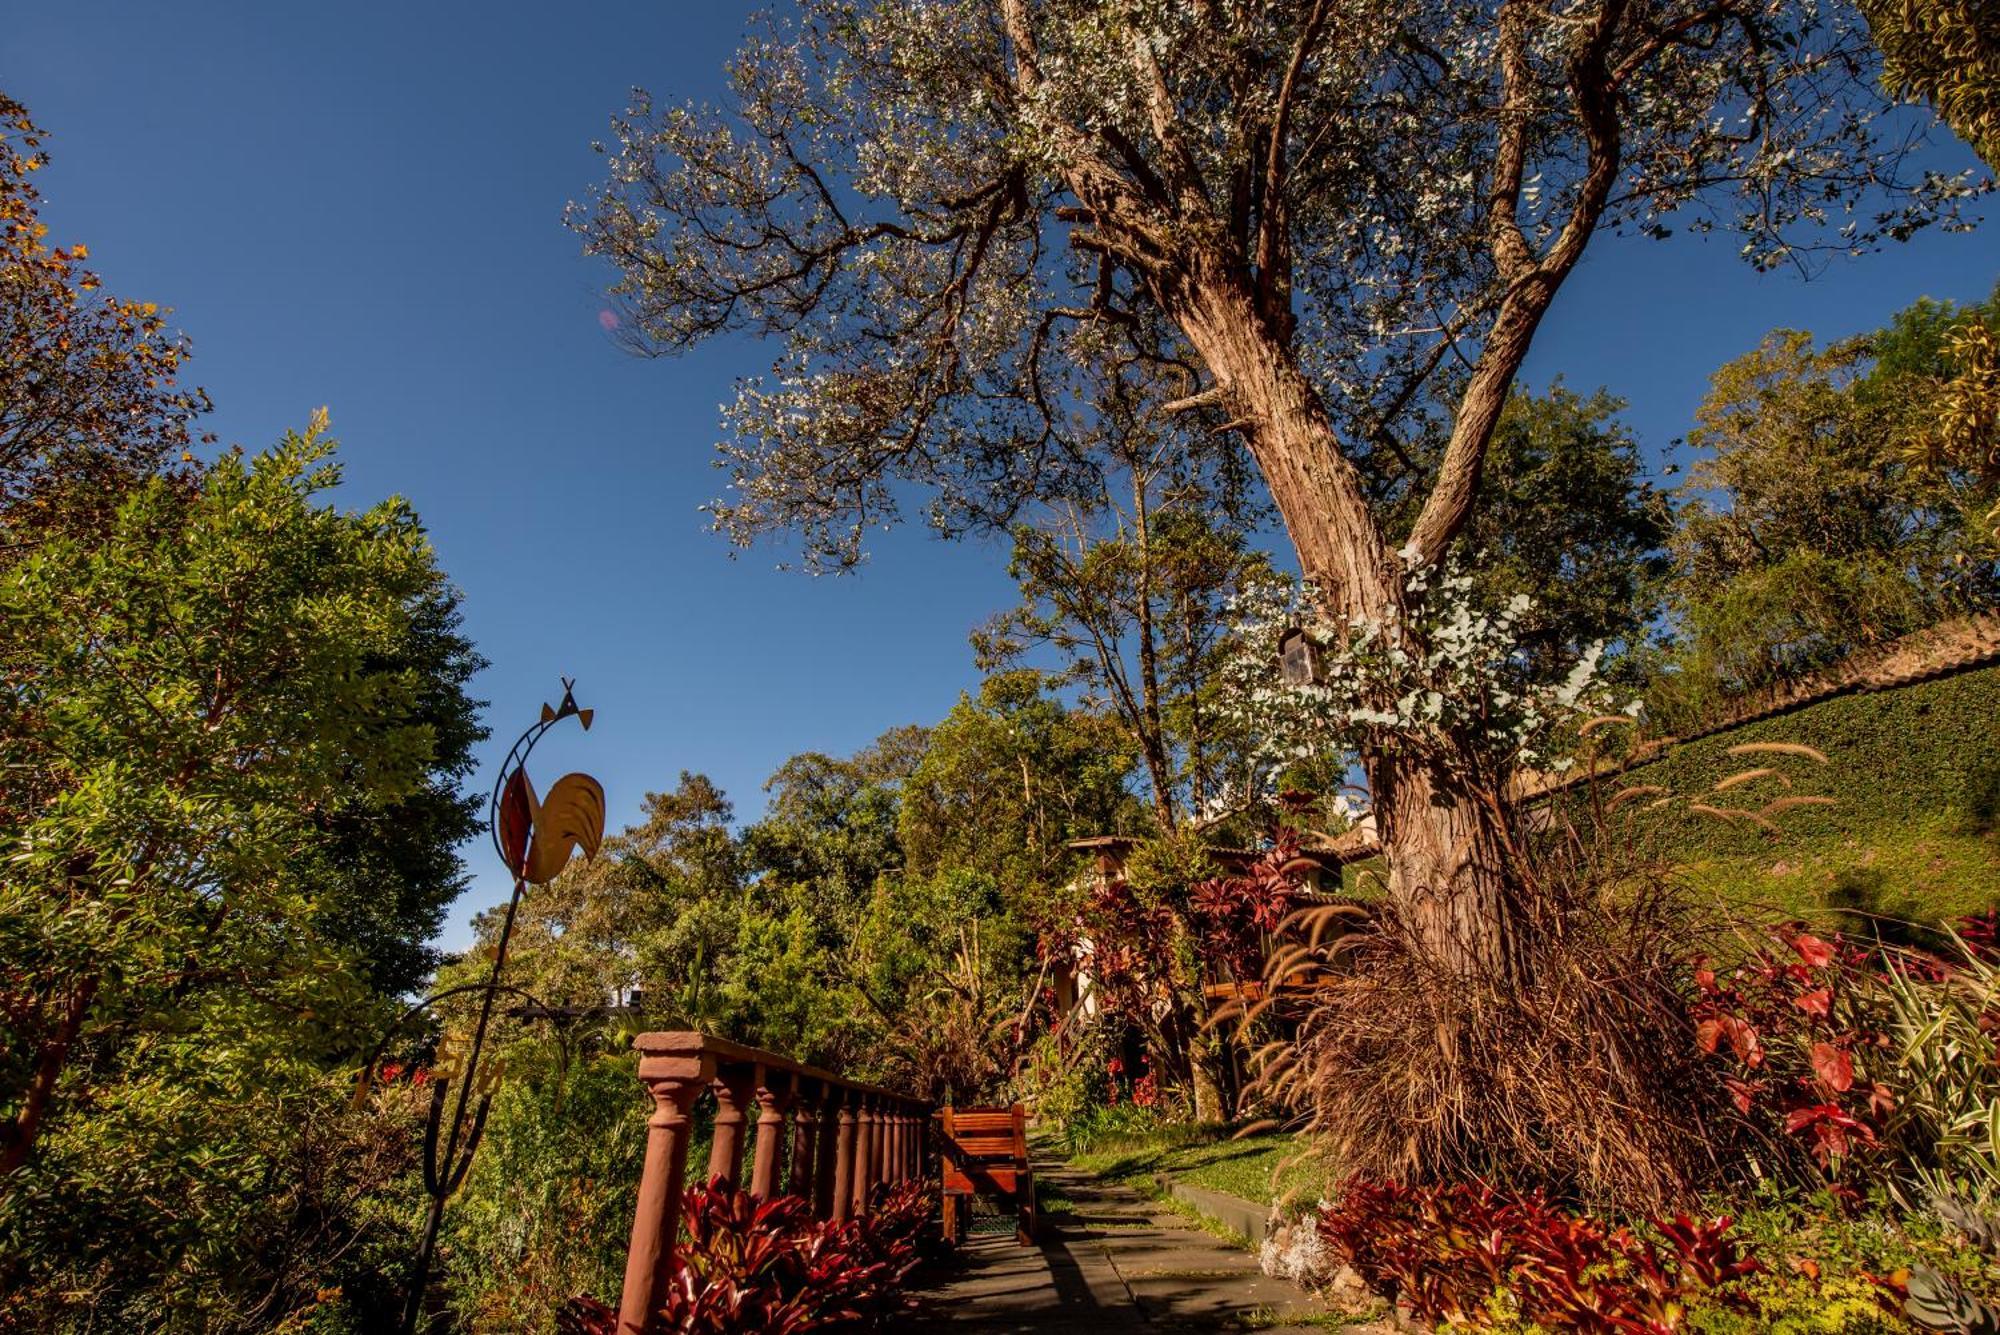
(193, 711)
(954, 213)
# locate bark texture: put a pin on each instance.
(1443, 843)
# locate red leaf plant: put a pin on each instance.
(1235, 913)
(1794, 1017)
(1448, 1252)
(751, 1267)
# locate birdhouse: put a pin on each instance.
(1296, 661)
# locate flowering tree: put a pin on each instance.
(1308, 223)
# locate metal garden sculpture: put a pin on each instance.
(535, 837)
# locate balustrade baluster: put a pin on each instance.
(848, 1160)
(774, 1097)
(732, 1102)
(805, 1130)
(827, 1169)
(675, 1084)
(865, 1128)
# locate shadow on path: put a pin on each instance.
(1112, 1262)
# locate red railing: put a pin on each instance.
(819, 1136)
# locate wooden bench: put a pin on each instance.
(986, 1154)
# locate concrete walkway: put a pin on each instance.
(1110, 1262)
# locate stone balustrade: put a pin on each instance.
(815, 1135)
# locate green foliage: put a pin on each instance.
(1978, 797)
(1890, 845)
(547, 1208)
(1801, 539)
(1840, 497)
(201, 702)
(1066, 1080)
(1105, 1123)
(220, 1187)
(1817, 1252)
(1129, 596)
(1946, 1064)
(385, 871)
(1008, 779)
(1946, 53)
(812, 931)
(1564, 515)
(1939, 366)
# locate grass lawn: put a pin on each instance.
(1257, 1168)
(1911, 833)
(1922, 871)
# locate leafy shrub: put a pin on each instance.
(1800, 1023)
(1474, 1256)
(547, 1207)
(230, 1187)
(751, 1267)
(1106, 1123)
(1884, 1062)
(1938, 1022)
(1065, 1078)
(1237, 914)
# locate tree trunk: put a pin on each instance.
(1444, 845)
(1210, 1106)
(17, 1138)
(1447, 864)
(1152, 732)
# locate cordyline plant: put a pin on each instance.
(1466, 1254)
(1798, 1024)
(767, 1267)
(1304, 225)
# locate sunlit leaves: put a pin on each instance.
(89, 393)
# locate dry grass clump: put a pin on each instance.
(1578, 1075)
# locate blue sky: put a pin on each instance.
(360, 205)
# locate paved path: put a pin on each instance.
(1112, 1262)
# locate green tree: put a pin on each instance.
(649, 921)
(1008, 779)
(1566, 516)
(956, 217)
(1946, 53)
(1129, 590)
(948, 963)
(1803, 535)
(1936, 376)
(196, 698)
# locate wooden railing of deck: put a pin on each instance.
(825, 1138)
